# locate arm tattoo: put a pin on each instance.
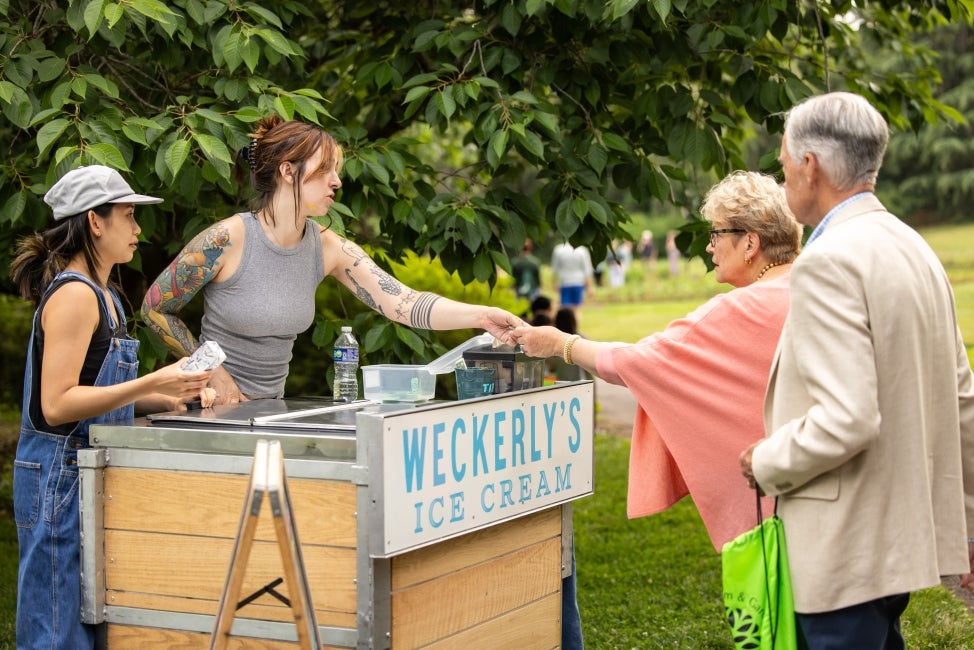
(414, 308)
(423, 309)
(196, 265)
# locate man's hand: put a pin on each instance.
(746, 469)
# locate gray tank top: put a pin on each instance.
(256, 313)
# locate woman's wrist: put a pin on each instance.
(566, 350)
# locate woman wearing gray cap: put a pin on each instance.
(81, 370)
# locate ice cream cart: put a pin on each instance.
(429, 525)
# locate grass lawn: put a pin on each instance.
(652, 582)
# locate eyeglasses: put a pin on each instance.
(721, 231)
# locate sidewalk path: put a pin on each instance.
(615, 410)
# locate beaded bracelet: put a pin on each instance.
(566, 352)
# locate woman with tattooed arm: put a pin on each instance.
(258, 270)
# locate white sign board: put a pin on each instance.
(452, 470)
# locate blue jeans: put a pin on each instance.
(46, 512)
(571, 618)
(46, 507)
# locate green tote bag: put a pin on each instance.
(757, 588)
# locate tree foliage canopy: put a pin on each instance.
(550, 103)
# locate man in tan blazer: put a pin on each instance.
(870, 406)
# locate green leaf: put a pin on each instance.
(285, 106)
(379, 172)
(114, 12)
(153, 10)
(565, 219)
(662, 8)
(445, 103)
(597, 157)
(93, 14)
(176, 155)
(532, 143)
(48, 134)
(251, 54)
(597, 210)
(511, 19)
(497, 148)
(417, 93)
(19, 109)
(64, 152)
(580, 208)
(108, 155)
(101, 83)
(277, 42)
(79, 86)
(6, 90)
(613, 141)
(13, 208)
(135, 133)
(213, 148)
(263, 15)
(50, 69)
(232, 50)
(534, 7)
(420, 79)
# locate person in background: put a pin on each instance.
(673, 254)
(566, 320)
(526, 270)
(870, 406)
(541, 310)
(647, 252)
(572, 269)
(700, 382)
(619, 259)
(81, 370)
(258, 270)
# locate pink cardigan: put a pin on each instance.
(700, 384)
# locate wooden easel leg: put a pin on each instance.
(268, 477)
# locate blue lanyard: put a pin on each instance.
(828, 217)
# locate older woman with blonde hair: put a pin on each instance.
(700, 382)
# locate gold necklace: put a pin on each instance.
(767, 267)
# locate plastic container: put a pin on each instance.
(513, 369)
(392, 382)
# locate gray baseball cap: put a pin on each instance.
(88, 187)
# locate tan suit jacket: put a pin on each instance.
(870, 417)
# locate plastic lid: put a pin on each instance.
(448, 361)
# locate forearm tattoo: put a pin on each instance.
(414, 308)
(423, 309)
(196, 265)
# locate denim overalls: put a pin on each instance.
(46, 502)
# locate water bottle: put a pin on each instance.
(345, 356)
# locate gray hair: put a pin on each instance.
(844, 132)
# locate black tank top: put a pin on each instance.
(97, 349)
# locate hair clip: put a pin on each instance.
(252, 153)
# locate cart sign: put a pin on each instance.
(451, 470)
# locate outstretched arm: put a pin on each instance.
(346, 261)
